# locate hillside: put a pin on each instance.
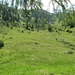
(34, 41)
(37, 53)
(42, 14)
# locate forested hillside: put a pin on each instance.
(37, 17)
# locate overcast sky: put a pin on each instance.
(46, 3)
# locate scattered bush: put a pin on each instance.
(72, 25)
(1, 44)
(11, 27)
(56, 39)
(50, 29)
(69, 31)
(22, 31)
(36, 43)
(69, 52)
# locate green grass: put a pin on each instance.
(36, 53)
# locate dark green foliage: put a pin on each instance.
(50, 29)
(70, 19)
(22, 31)
(56, 38)
(11, 27)
(72, 25)
(35, 20)
(23, 25)
(41, 17)
(69, 31)
(36, 43)
(69, 52)
(1, 44)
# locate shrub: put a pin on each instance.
(69, 52)
(1, 44)
(11, 27)
(72, 25)
(50, 29)
(22, 31)
(69, 31)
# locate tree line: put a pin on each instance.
(31, 12)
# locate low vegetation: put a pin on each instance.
(1, 44)
(34, 41)
(37, 53)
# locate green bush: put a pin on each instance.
(1, 44)
(50, 29)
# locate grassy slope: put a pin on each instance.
(36, 53)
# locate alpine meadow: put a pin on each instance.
(34, 41)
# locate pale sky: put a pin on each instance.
(46, 4)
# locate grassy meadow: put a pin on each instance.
(37, 53)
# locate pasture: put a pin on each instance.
(37, 53)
